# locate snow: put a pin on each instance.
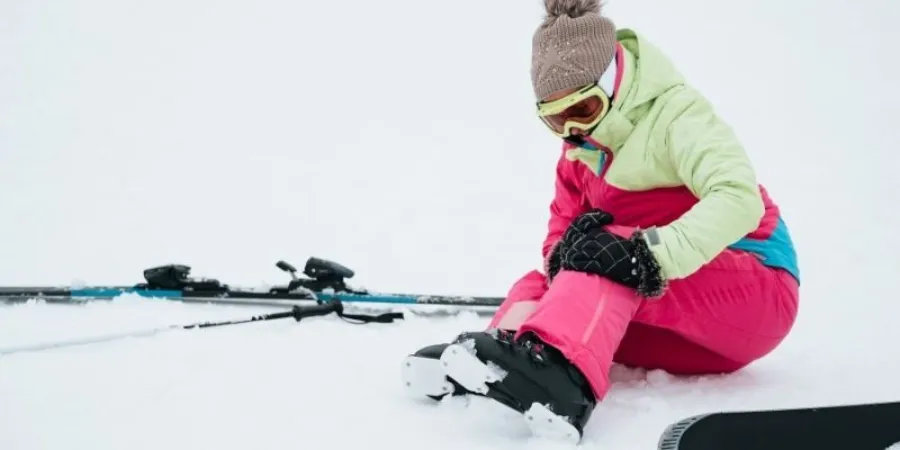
(229, 135)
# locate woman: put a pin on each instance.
(663, 252)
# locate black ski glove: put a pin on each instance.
(574, 232)
(589, 248)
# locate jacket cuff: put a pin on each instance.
(651, 283)
(553, 262)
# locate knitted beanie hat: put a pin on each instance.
(572, 47)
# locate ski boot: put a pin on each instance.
(526, 375)
(424, 375)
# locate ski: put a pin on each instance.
(324, 280)
(873, 426)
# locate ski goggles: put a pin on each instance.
(583, 109)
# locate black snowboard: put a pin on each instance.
(852, 427)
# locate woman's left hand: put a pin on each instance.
(589, 247)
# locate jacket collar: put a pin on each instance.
(643, 73)
(614, 129)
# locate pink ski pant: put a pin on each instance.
(726, 315)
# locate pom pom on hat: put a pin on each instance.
(571, 8)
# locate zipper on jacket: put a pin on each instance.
(605, 153)
(605, 160)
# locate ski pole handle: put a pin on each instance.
(323, 309)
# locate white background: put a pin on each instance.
(399, 138)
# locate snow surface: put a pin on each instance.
(398, 138)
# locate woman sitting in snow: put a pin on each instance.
(663, 252)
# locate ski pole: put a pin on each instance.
(297, 312)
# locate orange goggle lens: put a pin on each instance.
(582, 109)
(585, 112)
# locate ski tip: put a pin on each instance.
(671, 437)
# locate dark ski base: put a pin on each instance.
(852, 427)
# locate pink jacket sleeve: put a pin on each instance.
(568, 202)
